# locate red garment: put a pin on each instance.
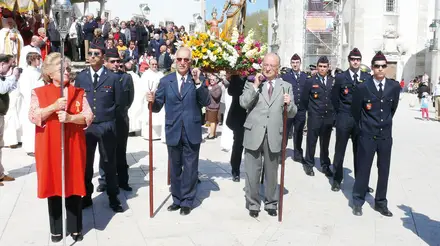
(116, 36)
(402, 84)
(45, 49)
(48, 146)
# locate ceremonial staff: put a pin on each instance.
(62, 15)
(150, 141)
(283, 160)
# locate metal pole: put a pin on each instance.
(435, 52)
(63, 178)
(150, 140)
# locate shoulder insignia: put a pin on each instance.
(309, 76)
(120, 79)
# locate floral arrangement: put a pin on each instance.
(242, 54)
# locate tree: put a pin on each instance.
(258, 21)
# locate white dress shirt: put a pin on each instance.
(376, 83)
(179, 80)
(353, 73)
(99, 72)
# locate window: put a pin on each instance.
(391, 6)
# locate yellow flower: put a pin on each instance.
(211, 44)
(205, 63)
(204, 50)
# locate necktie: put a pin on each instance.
(322, 80)
(270, 89)
(297, 76)
(95, 80)
(182, 84)
(380, 90)
(355, 78)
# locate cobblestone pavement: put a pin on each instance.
(313, 214)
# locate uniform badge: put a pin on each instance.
(77, 104)
(315, 95)
(346, 91)
(360, 81)
(368, 106)
(315, 86)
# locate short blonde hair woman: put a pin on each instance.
(47, 112)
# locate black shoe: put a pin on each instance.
(126, 187)
(101, 188)
(173, 207)
(336, 186)
(236, 178)
(370, 190)
(31, 154)
(253, 213)
(357, 210)
(57, 238)
(271, 212)
(115, 204)
(383, 211)
(77, 237)
(326, 170)
(86, 202)
(309, 171)
(185, 211)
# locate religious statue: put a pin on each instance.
(214, 23)
(236, 14)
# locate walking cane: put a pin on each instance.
(150, 140)
(283, 158)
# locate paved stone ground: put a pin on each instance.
(314, 215)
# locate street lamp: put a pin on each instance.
(145, 9)
(62, 14)
(433, 29)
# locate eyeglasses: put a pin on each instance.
(269, 65)
(154, 64)
(179, 59)
(355, 59)
(94, 53)
(380, 66)
(114, 61)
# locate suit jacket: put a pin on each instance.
(181, 109)
(127, 92)
(343, 89)
(106, 30)
(89, 29)
(237, 114)
(104, 99)
(316, 97)
(265, 115)
(134, 56)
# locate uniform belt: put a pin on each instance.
(375, 136)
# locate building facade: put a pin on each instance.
(400, 28)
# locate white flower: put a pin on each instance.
(235, 36)
(256, 66)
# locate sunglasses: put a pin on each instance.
(380, 66)
(355, 59)
(186, 60)
(94, 53)
(115, 61)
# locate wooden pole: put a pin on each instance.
(150, 140)
(283, 159)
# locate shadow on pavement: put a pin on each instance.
(426, 228)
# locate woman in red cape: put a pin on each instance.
(47, 111)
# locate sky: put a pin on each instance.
(251, 7)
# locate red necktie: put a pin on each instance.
(270, 89)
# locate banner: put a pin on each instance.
(320, 21)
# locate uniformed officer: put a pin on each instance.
(342, 92)
(297, 79)
(103, 92)
(316, 99)
(374, 103)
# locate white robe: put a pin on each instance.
(12, 131)
(134, 113)
(29, 80)
(150, 81)
(26, 50)
(227, 137)
(15, 46)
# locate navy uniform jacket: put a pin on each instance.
(181, 109)
(104, 99)
(127, 95)
(342, 92)
(373, 114)
(316, 97)
(297, 86)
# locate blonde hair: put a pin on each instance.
(97, 32)
(52, 63)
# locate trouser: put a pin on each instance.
(321, 128)
(367, 148)
(102, 134)
(437, 106)
(184, 166)
(2, 128)
(345, 128)
(86, 49)
(253, 165)
(297, 125)
(74, 45)
(73, 212)
(237, 151)
(425, 113)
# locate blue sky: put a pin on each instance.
(251, 7)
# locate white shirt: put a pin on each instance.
(99, 72)
(268, 85)
(437, 90)
(376, 83)
(353, 73)
(179, 80)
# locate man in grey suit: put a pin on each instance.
(263, 131)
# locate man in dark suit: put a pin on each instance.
(183, 95)
(154, 47)
(235, 120)
(316, 99)
(143, 36)
(342, 96)
(374, 103)
(103, 92)
(89, 29)
(132, 51)
(165, 60)
(297, 79)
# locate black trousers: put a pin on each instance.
(184, 167)
(321, 128)
(237, 151)
(122, 128)
(367, 148)
(74, 214)
(104, 135)
(296, 125)
(345, 128)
